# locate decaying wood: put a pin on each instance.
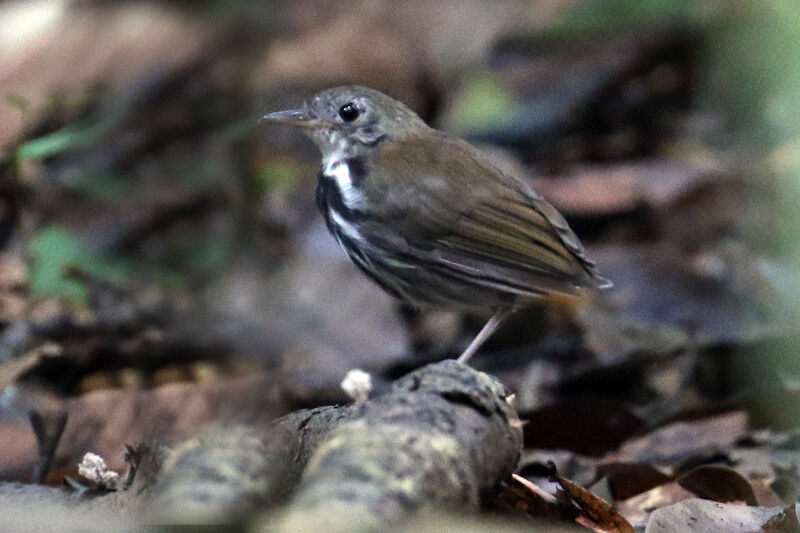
(443, 436)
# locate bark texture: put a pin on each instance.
(445, 436)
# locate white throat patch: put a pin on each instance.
(338, 171)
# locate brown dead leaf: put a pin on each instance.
(638, 508)
(12, 306)
(712, 517)
(784, 522)
(19, 451)
(718, 483)
(626, 480)
(726, 207)
(603, 514)
(335, 52)
(77, 47)
(604, 190)
(680, 440)
(104, 421)
(412, 44)
(12, 271)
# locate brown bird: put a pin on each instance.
(430, 218)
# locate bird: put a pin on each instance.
(431, 218)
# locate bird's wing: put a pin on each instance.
(476, 222)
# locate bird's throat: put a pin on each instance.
(342, 201)
(347, 175)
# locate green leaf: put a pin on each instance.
(208, 256)
(103, 186)
(54, 249)
(18, 101)
(483, 103)
(68, 138)
(617, 15)
(239, 130)
(278, 176)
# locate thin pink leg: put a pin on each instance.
(483, 335)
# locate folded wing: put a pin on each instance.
(477, 223)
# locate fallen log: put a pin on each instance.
(444, 436)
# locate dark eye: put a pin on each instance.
(348, 112)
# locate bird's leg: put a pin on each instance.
(483, 335)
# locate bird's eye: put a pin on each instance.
(348, 112)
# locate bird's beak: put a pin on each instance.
(294, 117)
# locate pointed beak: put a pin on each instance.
(293, 117)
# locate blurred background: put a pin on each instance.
(163, 265)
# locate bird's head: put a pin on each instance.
(350, 120)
